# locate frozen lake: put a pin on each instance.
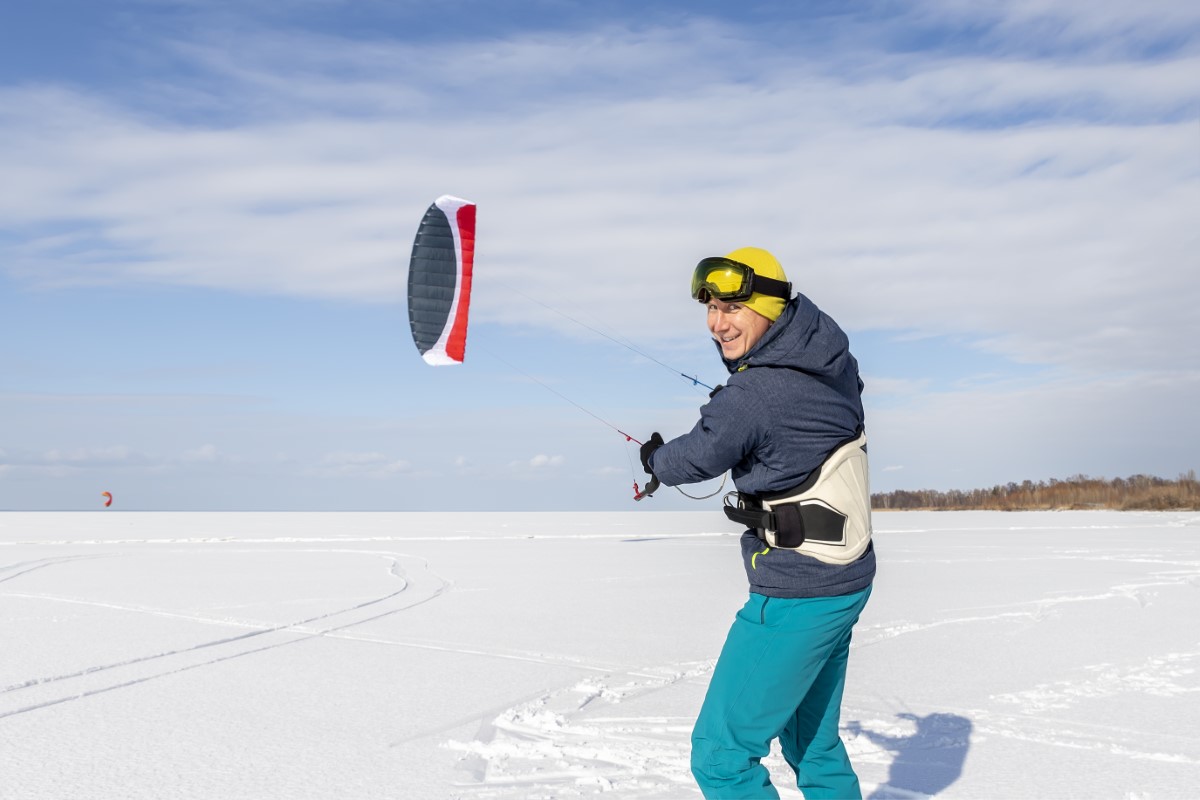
(475, 655)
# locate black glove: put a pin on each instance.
(653, 443)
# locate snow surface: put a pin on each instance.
(476, 655)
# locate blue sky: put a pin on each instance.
(207, 211)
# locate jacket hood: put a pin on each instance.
(802, 338)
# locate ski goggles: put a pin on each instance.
(732, 281)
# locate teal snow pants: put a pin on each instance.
(780, 676)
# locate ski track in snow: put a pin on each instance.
(10, 572)
(1178, 573)
(1171, 675)
(572, 741)
(257, 638)
(54, 689)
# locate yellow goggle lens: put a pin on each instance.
(724, 281)
(722, 278)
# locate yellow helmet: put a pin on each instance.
(766, 265)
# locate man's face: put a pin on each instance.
(736, 327)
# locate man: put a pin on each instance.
(789, 423)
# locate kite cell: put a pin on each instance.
(107, 498)
(439, 280)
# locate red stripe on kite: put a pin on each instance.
(456, 344)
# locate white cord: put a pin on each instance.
(705, 497)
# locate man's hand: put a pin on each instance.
(653, 443)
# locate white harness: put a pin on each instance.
(827, 517)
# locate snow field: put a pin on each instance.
(565, 655)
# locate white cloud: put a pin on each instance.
(465, 467)
(205, 454)
(60, 462)
(881, 387)
(1064, 239)
(360, 464)
(1109, 26)
(541, 461)
(86, 457)
(1111, 426)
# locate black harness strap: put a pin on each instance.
(751, 518)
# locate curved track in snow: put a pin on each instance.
(416, 584)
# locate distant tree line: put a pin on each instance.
(1135, 493)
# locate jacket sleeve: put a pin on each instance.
(726, 433)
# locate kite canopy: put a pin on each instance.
(439, 280)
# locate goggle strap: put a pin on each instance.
(772, 287)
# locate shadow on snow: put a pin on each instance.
(927, 761)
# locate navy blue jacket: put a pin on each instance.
(788, 404)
